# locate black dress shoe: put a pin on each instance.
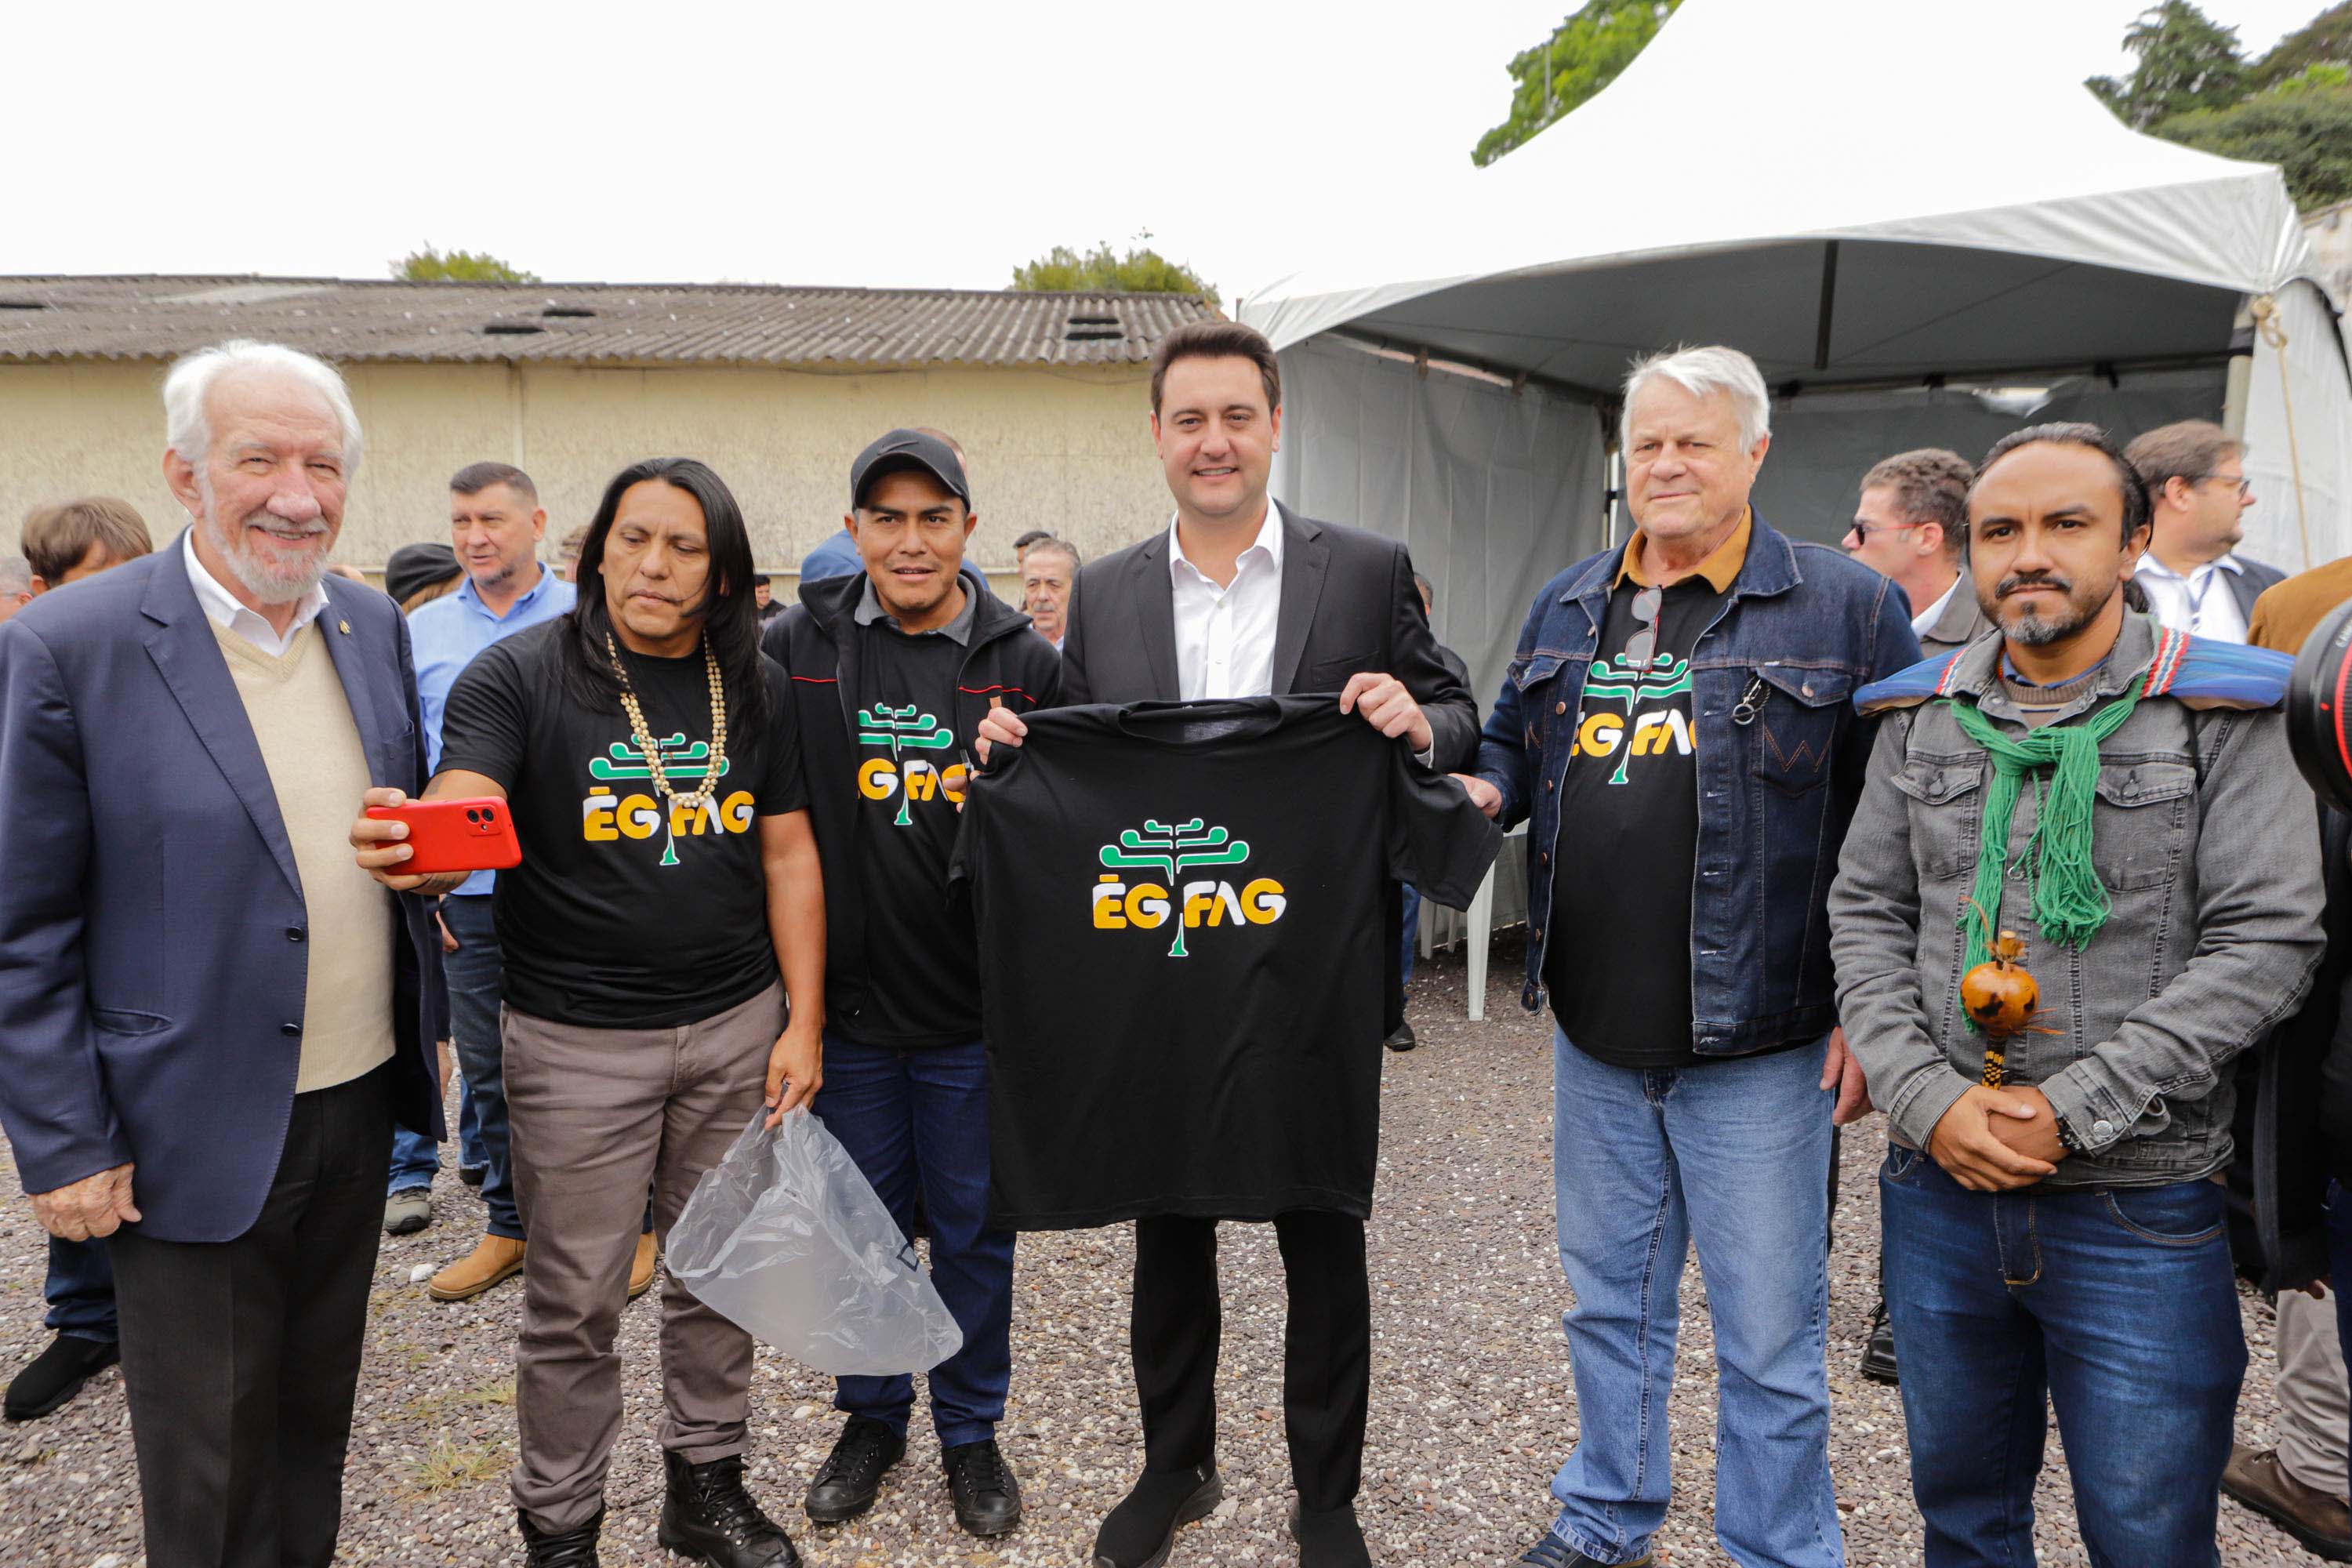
(1551, 1551)
(473, 1175)
(1879, 1350)
(987, 1498)
(1402, 1040)
(1330, 1539)
(573, 1548)
(707, 1515)
(1142, 1531)
(56, 1374)
(844, 1485)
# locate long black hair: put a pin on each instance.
(728, 613)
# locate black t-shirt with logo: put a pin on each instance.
(1184, 913)
(1619, 963)
(625, 912)
(911, 769)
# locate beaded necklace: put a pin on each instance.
(651, 749)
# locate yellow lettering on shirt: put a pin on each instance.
(1263, 901)
(1109, 891)
(1147, 905)
(596, 816)
(1598, 735)
(877, 780)
(638, 818)
(735, 812)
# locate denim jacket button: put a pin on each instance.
(1559, 707)
(1806, 690)
(2103, 1130)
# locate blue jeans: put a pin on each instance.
(477, 979)
(1734, 1156)
(1412, 931)
(80, 1290)
(923, 1116)
(415, 1161)
(2119, 1305)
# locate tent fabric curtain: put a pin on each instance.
(2319, 443)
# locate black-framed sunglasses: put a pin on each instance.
(1641, 648)
(2245, 486)
(1862, 530)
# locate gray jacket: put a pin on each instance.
(2205, 839)
(1962, 622)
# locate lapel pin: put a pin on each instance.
(345, 627)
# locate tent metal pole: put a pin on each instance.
(1828, 307)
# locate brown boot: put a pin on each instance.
(2321, 1523)
(494, 1259)
(641, 1272)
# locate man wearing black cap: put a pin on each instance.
(891, 671)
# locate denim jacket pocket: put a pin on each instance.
(2140, 822)
(1944, 825)
(1794, 720)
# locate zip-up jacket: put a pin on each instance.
(817, 642)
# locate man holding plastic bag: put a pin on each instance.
(649, 761)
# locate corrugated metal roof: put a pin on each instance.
(159, 318)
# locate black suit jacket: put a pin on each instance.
(1349, 604)
(2247, 586)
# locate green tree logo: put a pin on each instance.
(1172, 851)
(902, 730)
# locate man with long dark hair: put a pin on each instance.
(670, 873)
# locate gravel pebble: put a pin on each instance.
(1472, 1410)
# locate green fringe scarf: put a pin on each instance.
(2070, 903)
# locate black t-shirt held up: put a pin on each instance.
(1618, 967)
(625, 912)
(1184, 913)
(911, 769)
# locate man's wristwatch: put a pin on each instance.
(2066, 1138)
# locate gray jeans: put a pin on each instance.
(598, 1113)
(2311, 1394)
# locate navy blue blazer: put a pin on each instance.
(152, 934)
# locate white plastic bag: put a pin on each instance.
(786, 1238)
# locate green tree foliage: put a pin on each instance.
(1584, 54)
(2303, 125)
(2187, 62)
(2325, 41)
(1138, 271)
(431, 266)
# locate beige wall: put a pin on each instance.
(1067, 450)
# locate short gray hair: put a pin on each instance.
(1050, 546)
(1701, 372)
(187, 424)
(15, 574)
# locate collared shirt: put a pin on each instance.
(445, 634)
(2201, 604)
(227, 612)
(1924, 621)
(1224, 635)
(957, 631)
(1719, 568)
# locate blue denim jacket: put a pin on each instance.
(1780, 757)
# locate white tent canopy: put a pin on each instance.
(1888, 240)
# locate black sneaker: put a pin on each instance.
(56, 1374)
(473, 1175)
(707, 1515)
(987, 1498)
(1879, 1350)
(573, 1548)
(1402, 1040)
(1330, 1539)
(1142, 1531)
(844, 1485)
(1551, 1551)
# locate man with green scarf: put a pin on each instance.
(2121, 797)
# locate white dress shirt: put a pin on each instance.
(1927, 617)
(2201, 604)
(248, 623)
(1224, 635)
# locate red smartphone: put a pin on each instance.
(476, 835)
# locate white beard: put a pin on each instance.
(269, 584)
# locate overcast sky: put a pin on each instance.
(882, 143)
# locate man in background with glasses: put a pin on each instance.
(1910, 525)
(1678, 721)
(2196, 475)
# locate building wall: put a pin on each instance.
(1064, 449)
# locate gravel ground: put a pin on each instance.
(1471, 1404)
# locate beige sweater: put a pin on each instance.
(318, 769)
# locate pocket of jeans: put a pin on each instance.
(1901, 1164)
(2184, 1213)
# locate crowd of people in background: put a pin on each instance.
(1788, 807)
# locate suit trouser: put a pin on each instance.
(596, 1114)
(1327, 1347)
(240, 1358)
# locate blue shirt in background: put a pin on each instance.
(444, 637)
(835, 557)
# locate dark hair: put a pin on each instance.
(730, 616)
(56, 538)
(2137, 509)
(1931, 485)
(475, 478)
(1030, 538)
(1217, 340)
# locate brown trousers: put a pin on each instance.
(597, 1114)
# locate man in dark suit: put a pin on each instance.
(209, 1016)
(1239, 597)
(2195, 580)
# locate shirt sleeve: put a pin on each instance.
(1439, 841)
(486, 725)
(781, 787)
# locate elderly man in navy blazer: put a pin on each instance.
(210, 1017)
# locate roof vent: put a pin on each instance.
(512, 328)
(568, 311)
(24, 304)
(1093, 334)
(1094, 321)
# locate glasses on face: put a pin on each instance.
(2245, 486)
(1641, 648)
(1860, 531)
